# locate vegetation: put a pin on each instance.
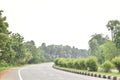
(116, 62)
(103, 49)
(107, 66)
(92, 64)
(15, 51)
(79, 63)
(55, 51)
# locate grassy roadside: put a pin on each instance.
(76, 70)
(9, 67)
(13, 66)
(5, 68)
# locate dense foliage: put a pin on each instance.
(78, 63)
(107, 66)
(92, 64)
(54, 51)
(116, 62)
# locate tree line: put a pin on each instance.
(89, 64)
(103, 47)
(106, 52)
(54, 51)
(15, 51)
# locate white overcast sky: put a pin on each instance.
(66, 22)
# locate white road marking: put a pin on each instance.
(20, 77)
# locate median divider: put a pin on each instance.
(87, 73)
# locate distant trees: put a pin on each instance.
(51, 52)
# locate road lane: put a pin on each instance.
(46, 72)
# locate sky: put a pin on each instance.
(60, 22)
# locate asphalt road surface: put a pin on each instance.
(43, 72)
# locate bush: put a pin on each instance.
(116, 62)
(61, 62)
(92, 64)
(3, 63)
(56, 61)
(80, 64)
(70, 63)
(107, 65)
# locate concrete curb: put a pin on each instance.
(89, 74)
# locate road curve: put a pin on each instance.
(43, 72)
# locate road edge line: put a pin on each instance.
(20, 77)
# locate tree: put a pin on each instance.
(3, 31)
(111, 25)
(18, 47)
(3, 25)
(107, 51)
(95, 42)
(117, 39)
(99, 37)
(4, 39)
(114, 26)
(93, 47)
(35, 55)
(116, 62)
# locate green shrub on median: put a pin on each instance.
(107, 65)
(92, 64)
(56, 61)
(80, 64)
(116, 62)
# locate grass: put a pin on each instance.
(4, 68)
(98, 72)
(110, 73)
(7, 67)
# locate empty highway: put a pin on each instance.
(43, 72)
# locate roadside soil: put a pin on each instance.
(2, 73)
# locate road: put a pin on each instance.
(43, 72)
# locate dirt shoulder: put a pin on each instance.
(2, 73)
